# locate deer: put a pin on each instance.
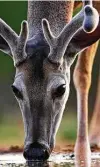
(43, 53)
(82, 80)
(94, 134)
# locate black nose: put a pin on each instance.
(36, 151)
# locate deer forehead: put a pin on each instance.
(37, 72)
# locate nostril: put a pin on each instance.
(46, 155)
(36, 154)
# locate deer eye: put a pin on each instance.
(60, 90)
(17, 93)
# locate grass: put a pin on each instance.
(68, 127)
(11, 132)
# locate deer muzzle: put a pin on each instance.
(36, 151)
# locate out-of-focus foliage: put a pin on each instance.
(12, 13)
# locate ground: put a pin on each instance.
(61, 148)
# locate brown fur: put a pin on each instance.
(83, 69)
(82, 81)
(94, 132)
(95, 122)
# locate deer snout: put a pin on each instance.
(36, 151)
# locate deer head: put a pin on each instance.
(42, 79)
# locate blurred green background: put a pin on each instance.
(11, 126)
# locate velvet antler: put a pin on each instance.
(17, 43)
(88, 16)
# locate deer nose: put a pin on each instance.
(36, 151)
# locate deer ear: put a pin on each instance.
(80, 41)
(4, 47)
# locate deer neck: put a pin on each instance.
(58, 14)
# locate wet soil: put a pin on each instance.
(55, 160)
(68, 148)
(61, 157)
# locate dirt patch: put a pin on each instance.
(14, 149)
(64, 149)
(67, 148)
(70, 148)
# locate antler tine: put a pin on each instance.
(91, 17)
(24, 30)
(8, 34)
(47, 32)
(16, 43)
(91, 20)
(20, 54)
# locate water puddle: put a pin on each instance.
(55, 160)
